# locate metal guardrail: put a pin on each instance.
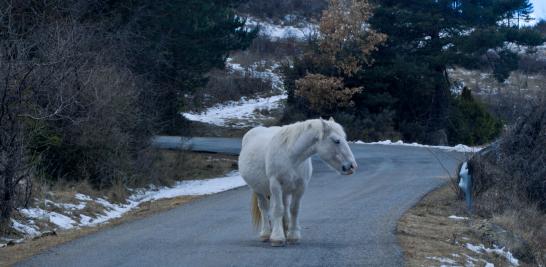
(230, 146)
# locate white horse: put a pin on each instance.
(276, 163)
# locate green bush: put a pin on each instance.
(470, 123)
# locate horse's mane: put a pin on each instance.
(288, 134)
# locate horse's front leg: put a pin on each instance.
(286, 215)
(264, 209)
(277, 211)
(293, 235)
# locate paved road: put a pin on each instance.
(346, 221)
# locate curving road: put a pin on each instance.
(346, 221)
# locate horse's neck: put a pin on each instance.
(304, 146)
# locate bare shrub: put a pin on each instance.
(264, 48)
(325, 93)
(527, 223)
(70, 109)
(509, 180)
(517, 163)
(94, 135)
(226, 85)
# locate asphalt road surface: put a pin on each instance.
(346, 221)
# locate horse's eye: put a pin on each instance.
(336, 141)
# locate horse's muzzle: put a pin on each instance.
(348, 168)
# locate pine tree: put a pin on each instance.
(175, 43)
(426, 38)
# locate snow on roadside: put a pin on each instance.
(496, 250)
(62, 221)
(181, 188)
(68, 220)
(442, 260)
(455, 217)
(23, 228)
(198, 187)
(457, 148)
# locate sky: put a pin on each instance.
(539, 7)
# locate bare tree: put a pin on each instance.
(69, 106)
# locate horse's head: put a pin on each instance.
(334, 149)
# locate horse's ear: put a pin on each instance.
(332, 119)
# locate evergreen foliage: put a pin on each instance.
(175, 43)
(470, 123)
(409, 74)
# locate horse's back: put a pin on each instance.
(257, 134)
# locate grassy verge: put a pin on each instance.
(429, 237)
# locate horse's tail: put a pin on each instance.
(256, 214)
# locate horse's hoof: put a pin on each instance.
(264, 238)
(277, 243)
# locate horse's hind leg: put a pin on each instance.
(263, 204)
(277, 211)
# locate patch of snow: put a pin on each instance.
(496, 250)
(454, 217)
(199, 187)
(243, 110)
(23, 228)
(243, 113)
(442, 260)
(447, 46)
(470, 261)
(35, 213)
(266, 74)
(457, 148)
(82, 197)
(67, 206)
(488, 264)
(477, 249)
(85, 220)
(113, 210)
(60, 220)
(275, 32)
(182, 188)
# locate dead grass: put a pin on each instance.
(528, 223)
(507, 100)
(13, 254)
(427, 234)
(208, 130)
(183, 165)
